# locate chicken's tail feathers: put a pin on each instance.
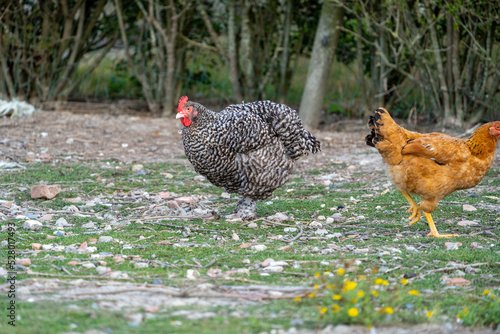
(313, 144)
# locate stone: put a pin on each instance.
(192, 274)
(137, 167)
(45, 191)
(273, 269)
(24, 262)
(32, 225)
(459, 281)
(140, 265)
(89, 225)
(468, 207)
(259, 248)
(61, 222)
(105, 239)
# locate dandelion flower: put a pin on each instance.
(389, 310)
(378, 281)
(316, 286)
(414, 293)
(375, 293)
(384, 282)
(350, 285)
(335, 308)
(340, 271)
(429, 314)
(486, 292)
(404, 281)
(317, 275)
(354, 300)
(336, 297)
(312, 294)
(297, 299)
(361, 294)
(353, 312)
(323, 310)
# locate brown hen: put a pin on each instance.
(431, 165)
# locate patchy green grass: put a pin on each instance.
(367, 267)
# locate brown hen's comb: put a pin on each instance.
(182, 100)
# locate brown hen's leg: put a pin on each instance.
(414, 208)
(434, 232)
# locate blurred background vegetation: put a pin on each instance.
(425, 60)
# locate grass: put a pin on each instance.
(375, 251)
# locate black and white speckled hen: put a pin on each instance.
(248, 149)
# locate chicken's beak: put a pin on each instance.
(179, 115)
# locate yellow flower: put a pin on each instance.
(384, 282)
(353, 312)
(466, 311)
(389, 310)
(414, 293)
(378, 281)
(323, 310)
(486, 292)
(330, 286)
(354, 300)
(312, 294)
(317, 275)
(404, 281)
(429, 314)
(375, 293)
(340, 271)
(335, 308)
(316, 286)
(362, 277)
(361, 294)
(350, 285)
(336, 297)
(297, 299)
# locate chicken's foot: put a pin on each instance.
(434, 233)
(245, 209)
(414, 209)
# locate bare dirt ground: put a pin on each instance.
(63, 136)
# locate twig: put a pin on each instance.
(296, 237)
(462, 266)
(183, 227)
(32, 273)
(167, 217)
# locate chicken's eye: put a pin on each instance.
(189, 108)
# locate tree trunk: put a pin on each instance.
(325, 43)
(232, 54)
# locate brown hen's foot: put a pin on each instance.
(416, 215)
(434, 233)
(246, 208)
(414, 209)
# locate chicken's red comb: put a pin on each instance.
(182, 100)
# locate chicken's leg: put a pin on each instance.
(246, 208)
(434, 232)
(414, 208)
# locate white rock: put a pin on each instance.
(32, 225)
(61, 222)
(324, 263)
(321, 231)
(321, 217)
(47, 247)
(225, 195)
(315, 224)
(290, 229)
(244, 271)
(329, 220)
(199, 178)
(88, 265)
(279, 263)
(246, 261)
(140, 265)
(70, 141)
(279, 216)
(468, 207)
(192, 274)
(105, 239)
(58, 248)
(137, 167)
(89, 225)
(253, 225)
(101, 270)
(234, 236)
(273, 269)
(259, 247)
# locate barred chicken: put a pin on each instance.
(248, 149)
(431, 165)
